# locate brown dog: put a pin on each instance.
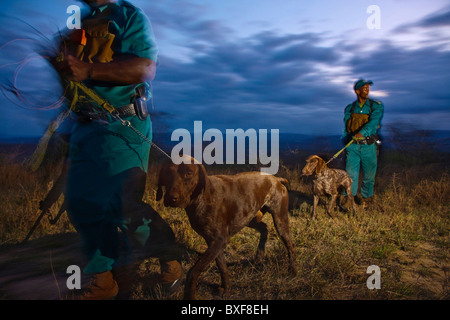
(328, 182)
(219, 206)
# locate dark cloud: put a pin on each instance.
(437, 19)
(272, 78)
(184, 18)
(248, 83)
(415, 78)
(305, 52)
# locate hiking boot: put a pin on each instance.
(102, 287)
(367, 202)
(359, 199)
(171, 277)
(125, 277)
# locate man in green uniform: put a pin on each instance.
(115, 55)
(362, 120)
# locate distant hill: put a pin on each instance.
(289, 143)
(438, 139)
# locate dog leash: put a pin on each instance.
(340, 151)
(140, 134)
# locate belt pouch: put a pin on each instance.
(140, 103)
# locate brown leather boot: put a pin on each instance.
(367, 202)
(171, 274)
(102, 287)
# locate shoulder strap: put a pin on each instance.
(354, 104)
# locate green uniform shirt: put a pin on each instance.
(108, 144)
(371, 127)
(133, 35)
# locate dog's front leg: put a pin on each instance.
(351, 197)
(316, 202)
(214, 249)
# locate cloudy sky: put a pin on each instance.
(287, 65)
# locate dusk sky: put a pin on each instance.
(287, 65)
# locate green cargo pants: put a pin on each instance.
(365, 157)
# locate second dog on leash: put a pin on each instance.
(328, 182)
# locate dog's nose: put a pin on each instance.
(174, 198)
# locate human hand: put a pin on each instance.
(358, 136)
(77, 70)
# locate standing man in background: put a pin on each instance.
(362, 120)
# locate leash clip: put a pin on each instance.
(115, 113)
(126, 122)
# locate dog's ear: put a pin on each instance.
(202, 183)
(159, 191)
(321, 165)
(202, 177)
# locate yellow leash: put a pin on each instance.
(74, 86)
(91, 93)
(38, 155)
(340, 151)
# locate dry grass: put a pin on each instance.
(406, 233)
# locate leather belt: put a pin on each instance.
(124, 111)
(361, 142)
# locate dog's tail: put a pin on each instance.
(284, 181)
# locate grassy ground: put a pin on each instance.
(405, 232)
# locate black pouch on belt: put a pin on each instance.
(372, 139)
(140, 102)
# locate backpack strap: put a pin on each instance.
(353, 107)
(370, 105)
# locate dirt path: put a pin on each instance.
(425, 267)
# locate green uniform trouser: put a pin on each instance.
(365, 156)
(105, 186)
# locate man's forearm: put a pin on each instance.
(129, 71)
